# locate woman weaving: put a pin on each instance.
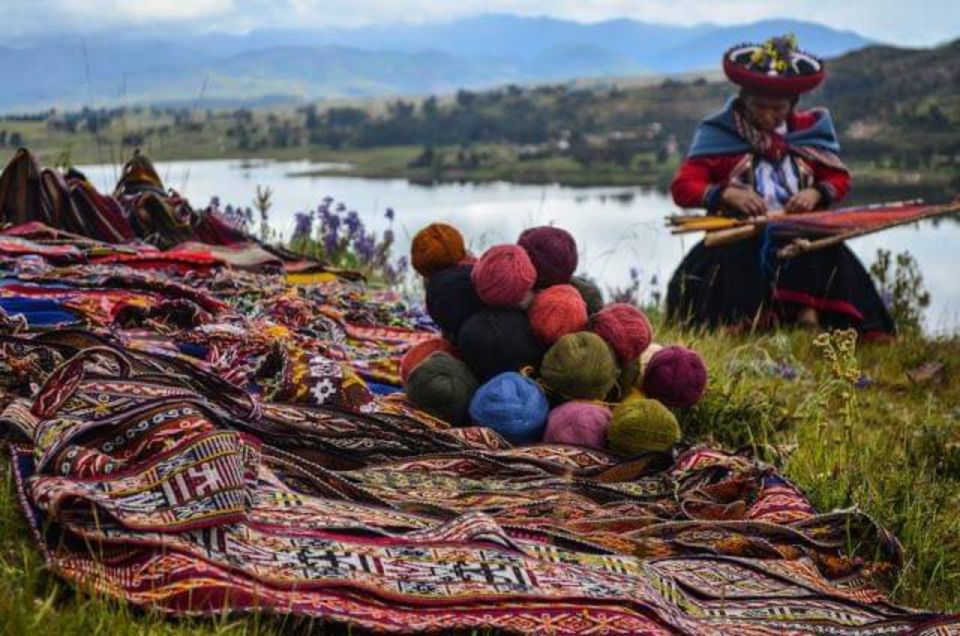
(761, 156)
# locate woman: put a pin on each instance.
(761, 156)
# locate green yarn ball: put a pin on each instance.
(640, 426)
(442, 386)
(580, 366)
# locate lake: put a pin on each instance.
(616, 228)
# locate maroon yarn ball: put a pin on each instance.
(503, 276)
(676, 376)
(625, 328)
(553, 252)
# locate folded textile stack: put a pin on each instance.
(531, 351)
(193, 435)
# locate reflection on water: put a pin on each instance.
(617, 228)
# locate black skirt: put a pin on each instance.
(730, 285)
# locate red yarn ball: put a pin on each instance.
(625, 328)
(503, 275)
(557, 311)
(676, 376)
(553, 252)
(421, 351)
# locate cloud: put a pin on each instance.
(920, 22)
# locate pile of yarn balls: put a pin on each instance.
(530, 350)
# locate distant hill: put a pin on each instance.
(67, 71)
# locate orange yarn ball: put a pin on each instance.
(420, 352)
(557, 311)
(436, 247)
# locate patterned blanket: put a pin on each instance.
(195, 438)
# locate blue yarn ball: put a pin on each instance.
(512, 405)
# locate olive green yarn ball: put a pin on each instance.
(640, 426)
(442, 386)
(580, 366)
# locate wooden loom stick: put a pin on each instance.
(805, 246)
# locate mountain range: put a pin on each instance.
(67, 71)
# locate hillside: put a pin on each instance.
(898, 111)
(147, 66)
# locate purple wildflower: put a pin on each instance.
(304, 225)
(390, 214)
(353, 222)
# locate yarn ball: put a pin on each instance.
(419, 352)
(436, 247)
(580, 366)
(590, 292)
(451, 298)
(496, 340)
(557, 311)
(553, 252)
(512, 405)
(647, 354)
(625, 328)
(639, 426)
(626, 381)
(503, 276)
(442, 386)
(579, 423)
(676, 376)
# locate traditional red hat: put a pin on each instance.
(776, 68)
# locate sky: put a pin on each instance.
(902, 22)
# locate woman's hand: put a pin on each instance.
(803, 201)
(744, 200)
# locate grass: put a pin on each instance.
(891, 448)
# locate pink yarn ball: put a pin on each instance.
(579, 423)
(503, 276)
(676, 376)
(625, 328)
(557, 311)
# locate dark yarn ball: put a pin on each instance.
(496, 340)
(451, 298)
(553, 252)
(442, 386)
(590, 292)
(629, 376)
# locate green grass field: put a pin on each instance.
(891, 448)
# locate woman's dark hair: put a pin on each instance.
(745, 93)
